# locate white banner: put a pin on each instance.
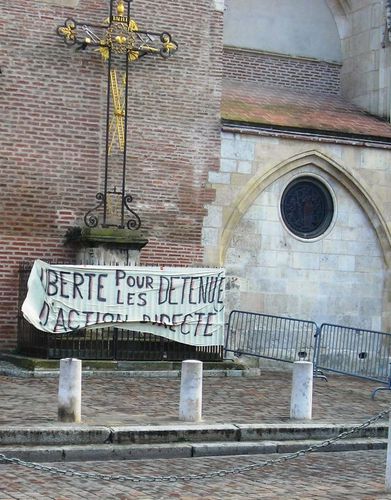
(181, 304)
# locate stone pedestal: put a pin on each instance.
(107, 246)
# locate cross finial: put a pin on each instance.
(118, 36)
(120, 7)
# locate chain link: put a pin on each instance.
(191, 477)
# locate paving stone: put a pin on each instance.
(113, 402)
(332, 476)
(243, 400)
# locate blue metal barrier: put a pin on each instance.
(272, 337)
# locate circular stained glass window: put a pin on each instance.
(307, 207)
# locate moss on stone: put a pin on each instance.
(90, 237)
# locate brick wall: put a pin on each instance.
(52, 134)
(280, 71)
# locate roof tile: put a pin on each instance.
(254, 104)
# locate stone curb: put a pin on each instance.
(108, 452)
(71, 434)
(126, 374)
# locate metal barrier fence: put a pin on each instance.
(354, 351)
(272, 337)
(340, 349)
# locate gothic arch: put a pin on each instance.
(341, 9)
(358, 190)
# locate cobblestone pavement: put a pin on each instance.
(333, 476)
(114, 401)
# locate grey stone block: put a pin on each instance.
(34, 454)
(54, 435)
(144, 452)
(241, 448)
(174, 433)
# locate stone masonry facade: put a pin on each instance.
(52, 134)
(340, 277)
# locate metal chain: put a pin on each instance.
(190, 477)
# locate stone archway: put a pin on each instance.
(258, 183)
(315, 280)
(341, 10)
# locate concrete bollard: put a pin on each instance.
(388, 464)
(301, 396)
(190, 405)
(69, 390)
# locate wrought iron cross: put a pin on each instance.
(119, 35)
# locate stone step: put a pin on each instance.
(100, 452)
(71, 434)
(40, 367)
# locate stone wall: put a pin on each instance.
(52, 133)
(366, 69)
(341, 276)
(299, 28)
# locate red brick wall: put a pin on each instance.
(52, 134)
(281, 71)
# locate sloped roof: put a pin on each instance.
(252, 104)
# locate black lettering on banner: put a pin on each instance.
(192, 299)
(140, 280)
(110, 316)
(185, 281)
(203, 290)
(212, 290)
(60, 322)
(142, 300)
(88, 315)
(163, 289)
(51, 283)
(63, 283)
(119, 297)
(44, 314)
(168, 291)
(78, 280)
(184, 323)
(199, 322)
(121, 319)
(219, 303)
(100, 287)
(73, 312)
(119, 276)
(208, 324)
(90, 283)
(172, 289)
(221, 291)
(165, 320)
(176, 319)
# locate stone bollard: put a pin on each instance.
(388, 464)
(190, 405)
(69, 391)
(301, 396)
